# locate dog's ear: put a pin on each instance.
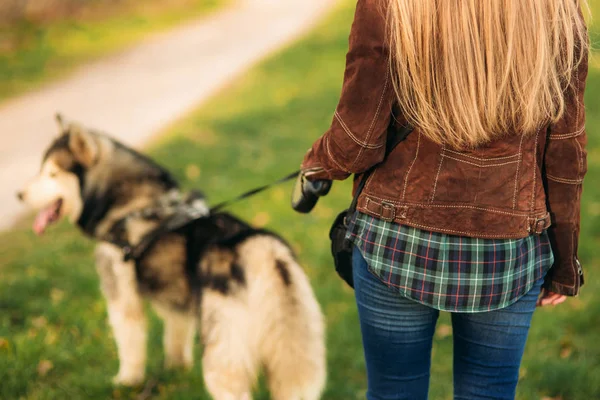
(62, 124)
(83, 145)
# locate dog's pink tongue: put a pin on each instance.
(42, 220)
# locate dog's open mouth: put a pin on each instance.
(47, 216)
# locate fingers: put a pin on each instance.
(538, 303)
(550, 299)
(560, 299)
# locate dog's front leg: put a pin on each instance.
(125, 313)
(129, 327)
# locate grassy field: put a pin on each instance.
(35, 52)
(54, 338)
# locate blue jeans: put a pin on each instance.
(398, 334)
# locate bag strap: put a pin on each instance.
(394, 138)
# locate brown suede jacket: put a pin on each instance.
(510, 188)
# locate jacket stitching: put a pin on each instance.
(369, 179)
(464, 233)
(570, 135)
(442, 155)
(516, 214)
(482, 166)
(566, 286)
(564, 180)
(573, 269)
(482, 159)
(451, 231)
(580, 158)
(578, 109)
(579, 149)
(535, 149)
(538, 217)
(520, 154)
(577, 95)
(385, 87)
(370, 131)
(332, 158)
(411, 166)
(352, 136)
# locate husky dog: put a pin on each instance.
(242, 286)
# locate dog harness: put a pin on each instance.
(172, 211)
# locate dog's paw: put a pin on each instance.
(128, 379)
(175, 363)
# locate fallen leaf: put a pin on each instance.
(443, 331)
(192, 172)
(3, 343)
(51, 337)
(261, 219)
(44, 367)
(576, 303)
(162, 389)
(39, 322)
(56, 295)
(279, 194)
(323, 212)
(566, 352)
(75, 332)
(522, 373)
(566, 347)
(297, 248)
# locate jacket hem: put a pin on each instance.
(459, 220)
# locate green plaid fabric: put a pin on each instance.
(450, 273)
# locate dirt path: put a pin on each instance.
(136, 93)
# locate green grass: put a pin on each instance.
(35, 52)
(254, 132)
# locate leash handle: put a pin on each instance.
(306, 193)
(252, 192)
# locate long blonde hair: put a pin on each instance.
(466, 71)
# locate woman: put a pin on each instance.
(477, 211)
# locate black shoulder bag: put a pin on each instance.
(341, 248)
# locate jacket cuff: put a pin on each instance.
(561, 289)
(316, 174)
(314, 170)
(555, 284)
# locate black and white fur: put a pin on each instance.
(241, 288)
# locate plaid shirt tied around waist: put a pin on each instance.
(450, 273)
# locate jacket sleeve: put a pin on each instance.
(356, 138)
(565, 168)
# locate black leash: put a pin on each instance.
(188, 211)
(252, 192)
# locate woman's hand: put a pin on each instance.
(306, 193)
(548, 298)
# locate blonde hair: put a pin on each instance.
(467, 71)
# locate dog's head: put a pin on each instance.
(56, 191)
(85, 175)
